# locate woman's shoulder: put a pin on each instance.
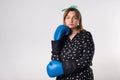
(85, 32)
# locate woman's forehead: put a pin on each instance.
(72, 13)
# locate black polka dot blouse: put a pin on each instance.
(80, 50)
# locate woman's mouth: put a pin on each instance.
(71, 24)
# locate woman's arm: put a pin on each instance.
(86, 59)
(88, 52)
(70, 66)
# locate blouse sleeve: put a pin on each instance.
(55, 57)
(88, 51)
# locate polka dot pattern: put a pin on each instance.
(81, 50)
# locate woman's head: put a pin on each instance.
(72, 18)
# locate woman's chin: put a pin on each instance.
(71, 27)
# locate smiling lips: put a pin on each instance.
(71, 24)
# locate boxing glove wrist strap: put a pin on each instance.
(56, 46)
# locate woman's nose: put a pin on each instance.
(71, 20)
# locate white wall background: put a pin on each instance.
(27, 27)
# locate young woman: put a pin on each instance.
(77, 52)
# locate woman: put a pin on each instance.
(78, 49)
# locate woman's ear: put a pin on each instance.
(78, 24)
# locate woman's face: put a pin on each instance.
(71, 20)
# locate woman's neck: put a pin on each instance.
(73, 33)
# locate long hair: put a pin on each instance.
(78, 15)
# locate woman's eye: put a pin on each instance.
(71, 18)
(67, 17)
(75, 18)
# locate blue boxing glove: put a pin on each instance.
(60, 34)
(57, 68)
(54, 68)
(61, 31)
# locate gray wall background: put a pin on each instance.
(27, 27)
